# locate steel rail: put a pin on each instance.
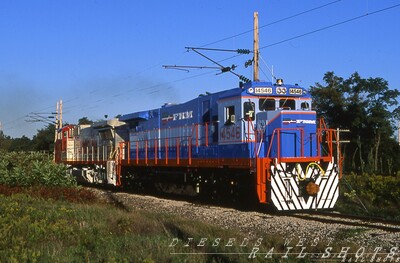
(351, 220)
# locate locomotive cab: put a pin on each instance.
(292, 171)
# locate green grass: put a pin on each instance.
(50, 229)
(34, 229)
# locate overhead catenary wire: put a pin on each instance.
(319, 29)
(223, 69)
(240, 51)
(270, 70)
(331, 26)
(185, 67)
(273, 23)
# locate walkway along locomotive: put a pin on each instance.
(260, 139)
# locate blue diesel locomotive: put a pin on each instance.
(259, 140)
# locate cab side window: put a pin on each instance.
(305, 105)
(249, 111)
(287, 104)
(266, 104)
(229, 114)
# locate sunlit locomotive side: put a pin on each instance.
(259, 140)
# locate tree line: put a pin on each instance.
(367, 107)
(43, 141)
(370, 110)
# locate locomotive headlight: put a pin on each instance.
(250, 90)
(312, 188)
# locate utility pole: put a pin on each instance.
(58, 125)
(61, 115)
(255, 48)
(58, 122)
(338, 142)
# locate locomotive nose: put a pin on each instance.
(312, 188)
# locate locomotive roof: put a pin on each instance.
(112, 123)
(255, 88)
(142, 115)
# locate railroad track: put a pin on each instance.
(319, 216)
(352, 220)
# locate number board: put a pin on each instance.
(263, 90)
(295, 91)
(230, 133)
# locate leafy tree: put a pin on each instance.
(21, 144)
(5, 142)
(44, 139)
(329, 100)
(367, 108)
(84, 120)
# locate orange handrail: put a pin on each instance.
(190, 151)
(206, 126)
(166, 150)
(177, 151)
(155, 151)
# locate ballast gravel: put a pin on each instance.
(256, 225)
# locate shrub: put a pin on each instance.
(379, 194)
(32, 169)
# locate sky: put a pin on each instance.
(106, 57)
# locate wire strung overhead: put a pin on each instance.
(221, 67)
(184, 68)
(239, 51)
(275, 22)
(14, 121)
(330, 26)
(41, 117)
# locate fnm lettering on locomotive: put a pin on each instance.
(261, 139)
